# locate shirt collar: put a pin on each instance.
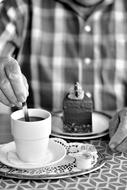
(83, 11)
(108, 2)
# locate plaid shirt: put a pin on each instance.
(57, 45)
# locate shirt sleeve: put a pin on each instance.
(11, 26)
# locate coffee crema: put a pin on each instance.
(32, 118)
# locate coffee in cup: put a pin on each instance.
(32, 118)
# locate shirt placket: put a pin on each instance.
(86, 57)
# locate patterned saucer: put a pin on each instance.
(56, 152)
(65, 168)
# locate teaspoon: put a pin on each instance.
(25, 110)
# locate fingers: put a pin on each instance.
(122, 147)
(4, 100)
(113, 124)
(16, 80)
(13, 85)
(6, 88)
(121, 132)
(26, 84)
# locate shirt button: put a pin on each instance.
(87, 28)
(87, 60)
(89, 94)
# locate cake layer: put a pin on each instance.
(77, 115)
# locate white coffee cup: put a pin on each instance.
(31, 138)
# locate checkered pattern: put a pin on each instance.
(58, 44)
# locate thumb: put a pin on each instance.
(120, 134)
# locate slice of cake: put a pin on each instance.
(77, 111)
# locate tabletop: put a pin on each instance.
(112, 175)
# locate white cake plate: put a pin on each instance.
(100, 127)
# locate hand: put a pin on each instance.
(118, 131)
(13, 84)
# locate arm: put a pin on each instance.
(118, 131)
(13, 85)
(13, 18)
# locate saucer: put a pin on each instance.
(65, 168)
(56, 152)
(100, 126)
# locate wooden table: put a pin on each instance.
(113, 175)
